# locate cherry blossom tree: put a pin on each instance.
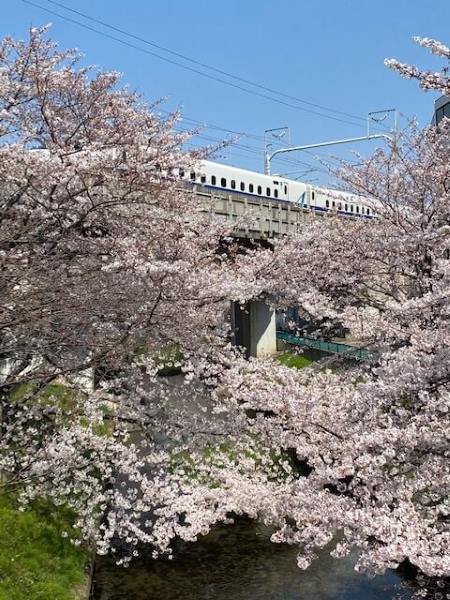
(355, 457)
(428, 80)
(107, 259)
(373, 437)
(104, 261)
(90, 231)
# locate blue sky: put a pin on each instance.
(327, 52)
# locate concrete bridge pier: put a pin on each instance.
(254, 326)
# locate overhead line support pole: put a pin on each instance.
(269, 157)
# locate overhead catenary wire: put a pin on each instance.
(187, 67)
(203, 64)
(247, 147)
(219, 128)
(235, 157)
(256, 153)
(252, 150)
(315, 155)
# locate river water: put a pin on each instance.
(238, 562)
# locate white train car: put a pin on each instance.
(226, 178)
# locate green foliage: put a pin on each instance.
(20, 392)
(300, 361)
(169, 360)
(297, 361)
(277, 464)
(61, 396)
(52, 393)
(36, 562)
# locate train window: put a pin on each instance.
(327, 203)
(346, 207)
(250, 188)
(351, 207)
(223, 182)
(357, 209)
(213, 180)
(259, 190)
(203, 178)
(275, 193)
(181, 173)
(267, 191)
(285, 189)
(233, 184)
(313, 195)
(368, 211)
(340, 206)
(242, 186)
(193, 175)
(333, 204)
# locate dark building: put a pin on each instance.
(441, 109)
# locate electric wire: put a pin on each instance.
(202, 64)
(186, 67)
(315, 155)
(246, 134)
(256, 152)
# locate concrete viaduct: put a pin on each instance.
(255, 325)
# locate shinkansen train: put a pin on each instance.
(225, 178)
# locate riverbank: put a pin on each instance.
(36, 561)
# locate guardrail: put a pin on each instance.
(325, 346)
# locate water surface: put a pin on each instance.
(238, 562)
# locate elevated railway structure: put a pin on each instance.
(256, 218)
(264, 207)
(264, 217)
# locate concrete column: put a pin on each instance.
(254, 328)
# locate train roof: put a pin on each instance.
(246, 172)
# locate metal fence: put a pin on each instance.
(325, 346)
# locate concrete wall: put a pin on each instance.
(255, 328)
(268, 217)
